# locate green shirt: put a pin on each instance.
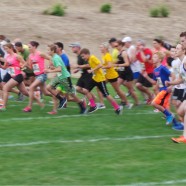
(25, 54)
(57, 61)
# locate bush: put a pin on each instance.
(164, 11)
(154, 12)
(106, 8)
(161, 11)
(56, 10)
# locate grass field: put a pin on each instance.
(101, 148)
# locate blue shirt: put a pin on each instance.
(65, 59)
(161, 74)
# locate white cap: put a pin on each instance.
(126, 39)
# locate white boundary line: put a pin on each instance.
(82, 141)
(69, 116)
(171, 182)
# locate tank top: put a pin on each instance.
(183, 70)
(122, 61)
(38, 63)
(14, 67)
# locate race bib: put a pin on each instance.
(160, 84)
(121, 68)
(36, 68)
(11, 71)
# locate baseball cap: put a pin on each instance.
(126, 39)
(76, 44)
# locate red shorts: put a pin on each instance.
(163, 99)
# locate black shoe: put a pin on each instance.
(119, 110)
(92, 109)
(62, 103)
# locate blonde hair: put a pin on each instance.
(160, 55)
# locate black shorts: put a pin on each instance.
(178, 94)
(0, 77)
(112, 80)
(84, 81)
(19, 78)
(29, 72)
(101, 86)
(144, 81)
(126, 76)
(7, 77)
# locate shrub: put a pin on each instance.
(164, 11)
(160, 11)
(154, 12)
(106, 8)
(56, 10)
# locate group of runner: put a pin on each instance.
(158, 73)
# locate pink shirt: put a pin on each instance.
(14, 67)
(38, 63)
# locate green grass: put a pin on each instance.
(95, 149)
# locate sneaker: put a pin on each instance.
(119, 111)
(116, 97)
(62, 102)
(20, 97)
(123, 103)
(178, 127)
(129, 106)
(52, 112)
(181, 139)
(100, 106)
(92, 109)
(27, 109)
(169, 119)
(149, 101)
(83, 109)
(128, 94)
(156, 110)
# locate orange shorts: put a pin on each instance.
(163, 99)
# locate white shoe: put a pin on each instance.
(129, 106)
(116, 97)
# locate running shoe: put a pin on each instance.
(156, 110)
(20, 97)
(128, 94)
(129, 106)
(169, 119)
(116, 97)
(62, 103)
(27, 109)
(100, 106)
(119, 111)
(92, 109)
(181, 139)
(178, 127)
(84, 102)
(52, 112)
(123, 103)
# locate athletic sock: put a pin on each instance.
(92, 102)
(115, 105)
(167, 113)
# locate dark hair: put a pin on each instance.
(34, 43)
(85, 51)
(18, 44)
(159, 41)
(183, 34)
(113, 39)
(169, 61)
(60, 45)
(2, 37)
(119, 42)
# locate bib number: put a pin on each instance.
(11, 71)
(160, 83)
(36, 68)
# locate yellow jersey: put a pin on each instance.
(98, 74)
(110, 73)
(115, 54)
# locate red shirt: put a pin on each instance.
(148, 54)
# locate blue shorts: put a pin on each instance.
(136, 75)
(42, 77)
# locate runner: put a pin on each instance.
(63, 78)
(98, 78)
